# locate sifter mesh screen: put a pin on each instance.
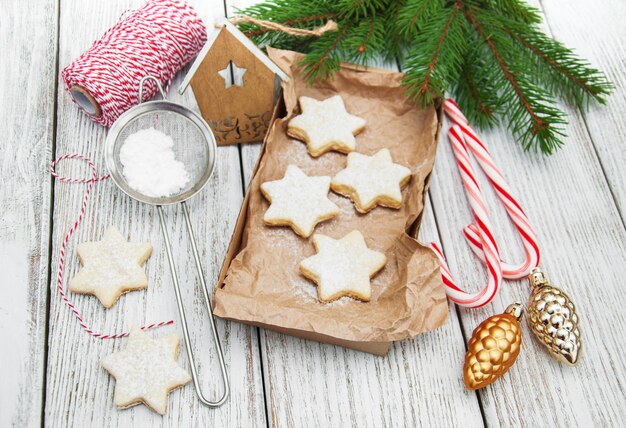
(194, 146)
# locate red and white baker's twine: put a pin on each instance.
(90, 183)
(480, 235)
(157, 40)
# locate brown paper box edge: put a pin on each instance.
(376, 348)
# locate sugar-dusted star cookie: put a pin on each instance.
(325, 125)
(299, 201)
(342, 267)
(372, 180)
(111, 267)
(146, 371)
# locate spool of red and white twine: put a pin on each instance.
(480, 235)
(157, 39)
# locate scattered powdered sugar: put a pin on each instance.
(150, 166)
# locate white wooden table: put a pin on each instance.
(49, 368)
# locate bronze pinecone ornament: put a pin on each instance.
(553, 319)
(496, 342)
(493, 348)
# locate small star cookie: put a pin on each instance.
(299, 201)
(372, 180)
(111, 267)
(342, 267)
(325, 125)
(146, 371)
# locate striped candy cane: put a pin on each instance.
(479, 235)
(90, 183)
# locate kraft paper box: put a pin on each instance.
(260, 283)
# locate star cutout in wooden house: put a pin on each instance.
(235, 84)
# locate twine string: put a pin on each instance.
(90, 181)
(330, 25)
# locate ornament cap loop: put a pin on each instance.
(516, 309)
(538, 278)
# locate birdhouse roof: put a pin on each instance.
(221, 25)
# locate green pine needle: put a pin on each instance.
(323, 59)
(475, 90)
(352, 9)
(437, 56)
(363, 44)
(516, 10)
(413, 15)
(559, 69)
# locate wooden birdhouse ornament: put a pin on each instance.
(235, 84)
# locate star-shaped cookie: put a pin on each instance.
(372, 180)
(342, 267)
(299, 201)
(111, 267)
(146, 371)
(325, 125)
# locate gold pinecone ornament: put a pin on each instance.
(493, 348)
(553, 319)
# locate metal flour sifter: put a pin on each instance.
(195, 147)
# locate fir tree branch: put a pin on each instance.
(365, 42)
(538, 123)
(437, 57)
(516, 9)
(361, 8)
(296, 13)
(316, 66)
(554, 64)
(498, 62)
(416, 15)
(392, 40)
(323, 60)
(571, 77)
(475, 90)
(368, 36)
(442, 38)
(411, 16)
(484, 109)
(533, 118)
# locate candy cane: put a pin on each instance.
(488, 242)
(90, 183)
(480, 236)
(503, 190)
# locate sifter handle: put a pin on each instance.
(181, 309)
(144, 80)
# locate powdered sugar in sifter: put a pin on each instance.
(195, 147)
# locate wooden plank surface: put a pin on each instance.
(575, 199)
(597, 33)
(27, 91)
(79, 392)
